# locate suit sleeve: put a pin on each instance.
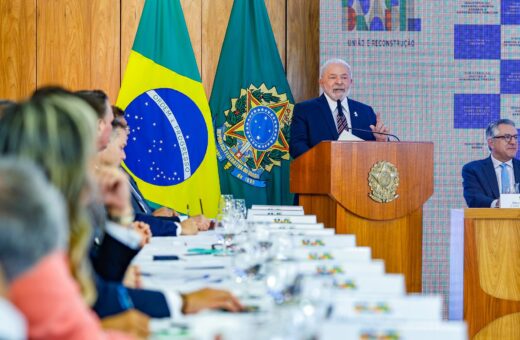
(159, 226)
(114, 298)
(474, 193)
(299, 142)
(111, 258)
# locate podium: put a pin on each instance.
(492, 273)
(335, 181)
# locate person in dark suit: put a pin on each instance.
(163, 221)
(326, 117)
(483, 180)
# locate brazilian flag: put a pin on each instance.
(171, 146)
(252, 109)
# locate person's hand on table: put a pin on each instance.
(209, 298)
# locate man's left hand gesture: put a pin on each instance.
(380, 127)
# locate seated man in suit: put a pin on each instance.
(325, 117)
(162, 221)
(485, 179)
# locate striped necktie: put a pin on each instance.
(341, 119)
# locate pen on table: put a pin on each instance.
(188, 210)
(201, 208)
(196, 278)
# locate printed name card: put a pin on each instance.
(387, 284)
(305, 232)
(509, 200)
(356, 254)
(277, 207)
(284, 219)
(293, 226)
(333, 268)
(252, 212)
(341, 241)
(412, 307)
(394, 330)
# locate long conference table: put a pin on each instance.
(314, 285)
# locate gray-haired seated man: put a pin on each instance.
(33, 240)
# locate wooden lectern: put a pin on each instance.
(492, 273)
(332, 180)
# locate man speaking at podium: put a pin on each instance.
(326, 117)
(485, 179)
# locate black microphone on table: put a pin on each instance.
(370, 131)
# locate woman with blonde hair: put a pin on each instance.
(56, 130)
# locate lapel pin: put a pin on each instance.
(355, 114)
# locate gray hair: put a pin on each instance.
(492, 128)
(335, 61)
(33, 221)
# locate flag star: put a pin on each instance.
(187, 137)
(145, 103)
(160, 149)
(153, 163)
(138, 161)
(160, 141)
(149, 150)
(134, 138)
(154, 124)
(136, 117)
(175, 174)
(138, 128)
(151, 169)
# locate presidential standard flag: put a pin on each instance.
(252, 108)
(171, 147)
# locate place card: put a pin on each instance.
(277, 207)
(251, 212)
(341, 267)
(411, 307)
(335, 241)
(283, 219)
(509, 200)
(355, 254)
(387, 284)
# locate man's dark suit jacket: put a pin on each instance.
(480, 182)
(110, 259)
(159, 226)
(313, 123)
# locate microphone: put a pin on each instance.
(370, 131)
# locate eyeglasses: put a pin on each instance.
(507, 138)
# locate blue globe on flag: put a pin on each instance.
(168, 137)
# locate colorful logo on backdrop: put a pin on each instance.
(254, 137)
(168, 137)
(379, 15)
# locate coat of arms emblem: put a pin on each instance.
(255, 135)
(383, 180)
